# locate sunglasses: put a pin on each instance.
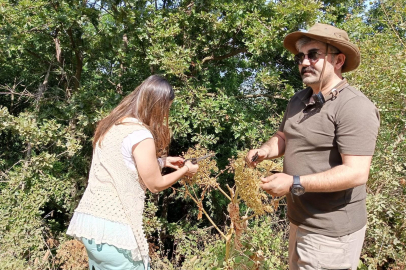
(313, 57)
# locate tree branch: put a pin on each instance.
(58, 50)
(79, 61)
(390, 24)
(217, 58)
(12, 91)
(400, 138)
(251, 96)
(42, 87)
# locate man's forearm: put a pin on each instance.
(275, 146)
(341, 177)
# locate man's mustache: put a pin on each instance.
(307, 69)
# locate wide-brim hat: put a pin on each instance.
(330, 35)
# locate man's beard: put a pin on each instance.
(312, 78)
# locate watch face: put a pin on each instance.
(298, 190)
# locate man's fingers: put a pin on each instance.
(269, 191)
(267, 179)
(261, 154)
(251, 159)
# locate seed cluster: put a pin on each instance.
(207, 167)
(248, 180)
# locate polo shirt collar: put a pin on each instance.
(307, 98)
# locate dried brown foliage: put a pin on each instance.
(239, 225)
(72, 255)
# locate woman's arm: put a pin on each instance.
(144, 154)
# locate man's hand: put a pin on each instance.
(278, 184)
(173, 162)
(260, 157)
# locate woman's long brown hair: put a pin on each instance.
(149, 103)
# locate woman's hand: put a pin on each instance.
(144, 154)
(173, 162)
(192, 168)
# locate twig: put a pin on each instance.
(45, 242)
(400, 138)
(228, 243)
(18, 94)
(42, 88)
(251, 96)
(204, 211)
(236, 194)
(5, 173)
(222, 171)
(279, 199)
(390, 24)
(247, 218)
(212, 57)
(233, 194)
(224, 193)
(12, 90)
(219, 188)
(208, 228)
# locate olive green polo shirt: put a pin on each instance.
(347, 123)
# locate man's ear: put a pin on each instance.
(339, 61)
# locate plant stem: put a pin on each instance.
(279, 199)
(247, 218)
(222, 171)
(204, 211)
(233, 194)
(235, 199)
(228, 242)
(224, 193)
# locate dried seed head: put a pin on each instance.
(247, 181)
(203, 177)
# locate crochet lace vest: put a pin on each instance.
(114, 192)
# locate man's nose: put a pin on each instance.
(306, 61)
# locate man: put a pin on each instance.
(328, 137)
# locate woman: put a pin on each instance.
(126, 144)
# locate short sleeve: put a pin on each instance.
(357, 125)
(282, 125)
(128, 143)
(136, 137)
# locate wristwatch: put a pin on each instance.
(297, 189)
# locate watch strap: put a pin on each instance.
(296, 180)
